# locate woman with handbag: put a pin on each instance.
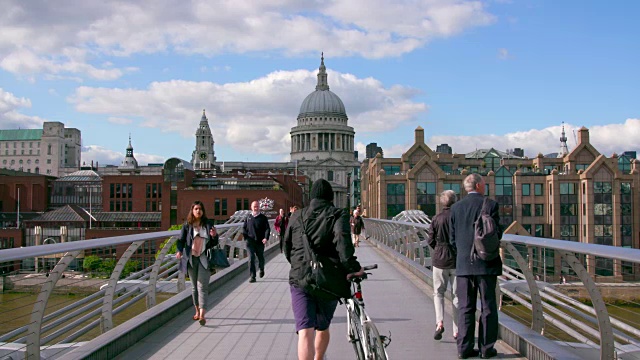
(197, 236)
(443, 261)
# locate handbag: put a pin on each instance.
(217, 258)
(323, 277)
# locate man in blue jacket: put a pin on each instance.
(256, 232)
(474, 276)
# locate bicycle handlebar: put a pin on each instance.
(370, 267)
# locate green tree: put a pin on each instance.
(107, 266)
(130, 267)
(92, 264)
(174, 247)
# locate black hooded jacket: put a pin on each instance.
(329, 233)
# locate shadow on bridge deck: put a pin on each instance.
(255, 321)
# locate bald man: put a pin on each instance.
(256, 232)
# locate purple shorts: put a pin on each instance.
(310, 312)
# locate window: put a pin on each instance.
(216, 207)
(453, 186)
(537, 189)
(224, 206)
(539, 230)
(246, 204)
(626, 221)
(37, 161)
(603, 213)
(238, 204)
(527, 227)
(391, 170)
(330, 175)
(48, 161)
(526, 189)
(395, 199)
(539, 209)
(624, 164)
(426, 197)
(526, 209)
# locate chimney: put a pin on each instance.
(583, 135)
(419, 135)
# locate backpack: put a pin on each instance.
(323, 276)
(486, 239)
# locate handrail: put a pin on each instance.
(408, 239)
(66, 252)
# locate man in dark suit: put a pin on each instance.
(255, 231)
(476, 275)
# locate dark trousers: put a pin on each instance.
(467, 292)
(256, 249)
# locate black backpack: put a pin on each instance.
(486, 240)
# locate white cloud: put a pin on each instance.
(119, 120)
(104, 156)
(251, 116)
(607, 139)
(11, 118)
(64, 38)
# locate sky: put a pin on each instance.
(473, 74)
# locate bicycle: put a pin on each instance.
(362, 333)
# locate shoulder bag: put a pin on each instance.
(217, 258)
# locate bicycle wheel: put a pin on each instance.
(376, 347)
(355, 331)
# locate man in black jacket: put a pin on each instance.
(328, 231)
(474, 276)
(256, 232)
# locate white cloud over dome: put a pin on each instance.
(256, 115)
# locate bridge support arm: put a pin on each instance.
(537, 322)
(607, 345)
(35, 326)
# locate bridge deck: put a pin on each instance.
(255, 321)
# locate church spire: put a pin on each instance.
(564, 150)
(129, 164)
(204, 117)
(322, 75)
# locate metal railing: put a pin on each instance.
(583, 297)
(33, 326)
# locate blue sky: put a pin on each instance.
(473, 74)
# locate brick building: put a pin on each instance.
(580, 196)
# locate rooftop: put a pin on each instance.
(20, 134)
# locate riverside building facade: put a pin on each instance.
(581, 196)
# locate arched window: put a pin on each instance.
(37, 170)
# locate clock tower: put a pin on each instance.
(203, 157)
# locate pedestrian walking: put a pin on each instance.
(327, 229)
(443, 262)
(197, 236)
(477, 276)
(255, 231)
(357, 225)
